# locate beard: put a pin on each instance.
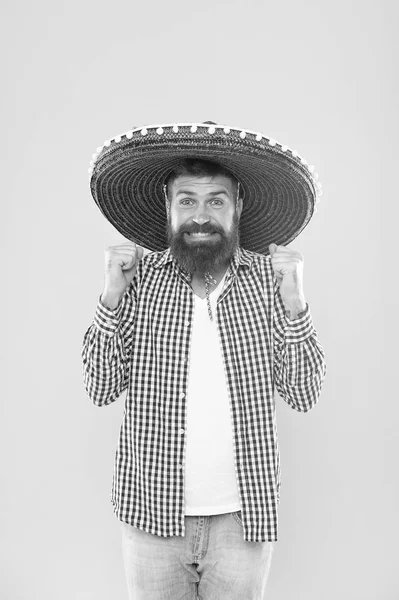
(205, 255)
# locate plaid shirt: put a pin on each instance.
(144, 345)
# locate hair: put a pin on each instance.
(199, 168)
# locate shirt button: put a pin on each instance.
(182, 395)
(187, 323)
(180, 466)
(109, 322)
(182, 430)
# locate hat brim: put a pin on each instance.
(129, 174)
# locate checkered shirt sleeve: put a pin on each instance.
(107, 349)
(299, 361)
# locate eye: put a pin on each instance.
(186, 201)
(217, 201)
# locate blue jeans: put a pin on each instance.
(211, 562)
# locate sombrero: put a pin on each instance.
(128, 172)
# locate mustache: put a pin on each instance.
(196, 228)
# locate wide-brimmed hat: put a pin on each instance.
(129, 171)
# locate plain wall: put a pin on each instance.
(320, 77)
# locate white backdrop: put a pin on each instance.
(320, 77)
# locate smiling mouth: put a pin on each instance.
(201, 236)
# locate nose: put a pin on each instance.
(201, 216)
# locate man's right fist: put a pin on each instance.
(120, 268)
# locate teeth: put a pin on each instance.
(201, 234)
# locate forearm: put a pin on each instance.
(295, 306)
(104, 366)
(106, 352)
(299, 361)
(300, 372)
(110, 299)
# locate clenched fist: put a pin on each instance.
(120, 268)
(288, 269)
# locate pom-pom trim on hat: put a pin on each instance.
(195, 127)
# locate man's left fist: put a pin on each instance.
(288, 267)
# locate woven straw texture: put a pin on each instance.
(129, 173)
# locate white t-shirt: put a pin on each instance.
(210, 477)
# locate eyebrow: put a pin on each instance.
(191, 193)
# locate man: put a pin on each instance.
(200, 332)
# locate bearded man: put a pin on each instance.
(200, 332)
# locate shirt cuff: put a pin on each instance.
(300, 329)
(106, 319)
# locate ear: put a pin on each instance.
(239, 205)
